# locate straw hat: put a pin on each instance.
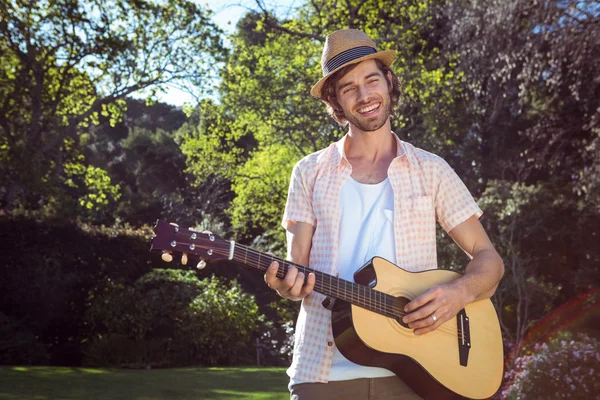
(344, 47)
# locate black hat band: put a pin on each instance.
(347, 56)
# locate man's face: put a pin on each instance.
(364, 96)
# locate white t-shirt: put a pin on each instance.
(366, 231)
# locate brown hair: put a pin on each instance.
(329, 98)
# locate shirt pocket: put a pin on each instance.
(419, 219)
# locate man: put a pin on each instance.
(367, 195)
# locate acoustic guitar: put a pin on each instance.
(462, 358)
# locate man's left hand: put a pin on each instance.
(425, 313)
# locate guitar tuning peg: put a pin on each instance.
(184, 259)
(167, 256)
(201, 264)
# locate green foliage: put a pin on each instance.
(536, 226)
(99, 191)
(143, 155)
(86, 294)
(211, 149)
(277, 332)
(261, 190)
(529, 107)
(220, 324)
(170, 317)
(67, 64)
(55, 272)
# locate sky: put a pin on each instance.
(226, 14)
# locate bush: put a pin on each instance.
(80, 288)
(566, 367)
(18, 345)
(220, 324)
(55, 272)
(277, 332)
(171, 318)
(147, 309)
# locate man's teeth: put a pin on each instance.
(367, 109)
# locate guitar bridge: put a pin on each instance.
(464, 337)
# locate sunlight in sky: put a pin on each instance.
(226, 13)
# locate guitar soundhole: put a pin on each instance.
(398, 305)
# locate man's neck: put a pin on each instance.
(370, 146)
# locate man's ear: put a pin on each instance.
(334, 104)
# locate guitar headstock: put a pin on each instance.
(170, 238)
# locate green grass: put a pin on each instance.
(62, 383)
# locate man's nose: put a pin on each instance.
(364, 94)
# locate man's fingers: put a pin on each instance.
(281, 285)
(420, 313)
(433, 308)
(309, 286)
(271, 274)
(295, 285)
(420, 301)
(290, 279)
(296, 288)
(427, 329)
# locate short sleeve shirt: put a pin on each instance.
(425, 188)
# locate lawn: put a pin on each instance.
(61, 383)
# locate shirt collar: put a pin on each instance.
(402, 148)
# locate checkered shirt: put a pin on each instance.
(425, 188)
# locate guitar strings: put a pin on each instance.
(370, 301)
(367, 301)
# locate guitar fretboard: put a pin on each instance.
(329, 285)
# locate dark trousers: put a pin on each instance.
(389, 388)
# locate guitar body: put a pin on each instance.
(430, 364)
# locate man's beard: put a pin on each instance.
(371, 124)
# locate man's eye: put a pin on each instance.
(348, 90)
(373, 81)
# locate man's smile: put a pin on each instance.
(369, 110)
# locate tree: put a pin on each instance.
(266, 119)
(65, 63)
(141, 155)
(531, 107)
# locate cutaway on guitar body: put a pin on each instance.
(448, 363)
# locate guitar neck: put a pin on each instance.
(329, 285)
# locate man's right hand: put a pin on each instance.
(293, 286)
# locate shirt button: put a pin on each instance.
(329, 343)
